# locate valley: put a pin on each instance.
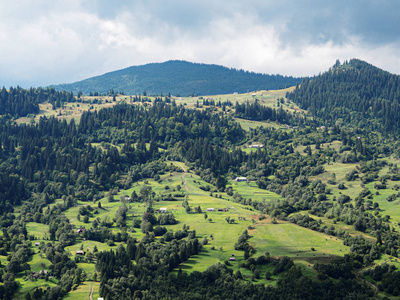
(101, 196)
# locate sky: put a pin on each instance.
(62, 41)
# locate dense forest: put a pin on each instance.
(19, 102)
(353, 92)
(179, 78)
(51, 167)
(257, 112)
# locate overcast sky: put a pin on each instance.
(61, 41)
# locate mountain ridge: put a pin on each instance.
(353, 92)
(179, 77)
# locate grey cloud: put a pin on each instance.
(62, 41)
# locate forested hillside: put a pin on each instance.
(179, 78)
(52, 168)
(353, 92)
(146, 198)
(19, 102)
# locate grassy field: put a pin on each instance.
(82, 292)
(267, 98)
(27, 286)
(39, 262)
(286, 239)
(334, 145)
(221, 235)
(278, 239)
(251, 190)
(74, 110)
(247, 124)
(40, 231)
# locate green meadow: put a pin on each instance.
(27, 286)
(286, 239)
(82, 292)
(303, 245)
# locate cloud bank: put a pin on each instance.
(60, 41)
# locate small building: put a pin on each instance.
(210, 209)
(238, 179)
(256, 146)
(163, 210)
(222, 209)
(37, 244)
(80, 252)
(254, 94)
(80, 230)
(232, 258)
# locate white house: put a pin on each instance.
(163, 209)
(237, 179)
(210, 209)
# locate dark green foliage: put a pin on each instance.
(166, 219)
(336, 269)
(58, 160)
(283, 264)
(256, 111)
(12, 191)
(217, 282)
(388, 276)
(19, 102)
(355, 92)
(179, 78)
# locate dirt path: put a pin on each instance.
(374, 287)
(91, 291)
(236, 210)
(183, 177)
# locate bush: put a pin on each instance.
(343, 199)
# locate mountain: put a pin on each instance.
(354, 92)
(179, 78)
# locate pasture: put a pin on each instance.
(286, 239)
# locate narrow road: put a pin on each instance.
(374, 287)
(183, 176)
(236, 210)
(91, 291)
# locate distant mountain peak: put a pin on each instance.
(354, 92)
(356, 64)
(179, 77)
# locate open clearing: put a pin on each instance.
(286, 239)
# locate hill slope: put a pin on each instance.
(179, 78)
(354, 92)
